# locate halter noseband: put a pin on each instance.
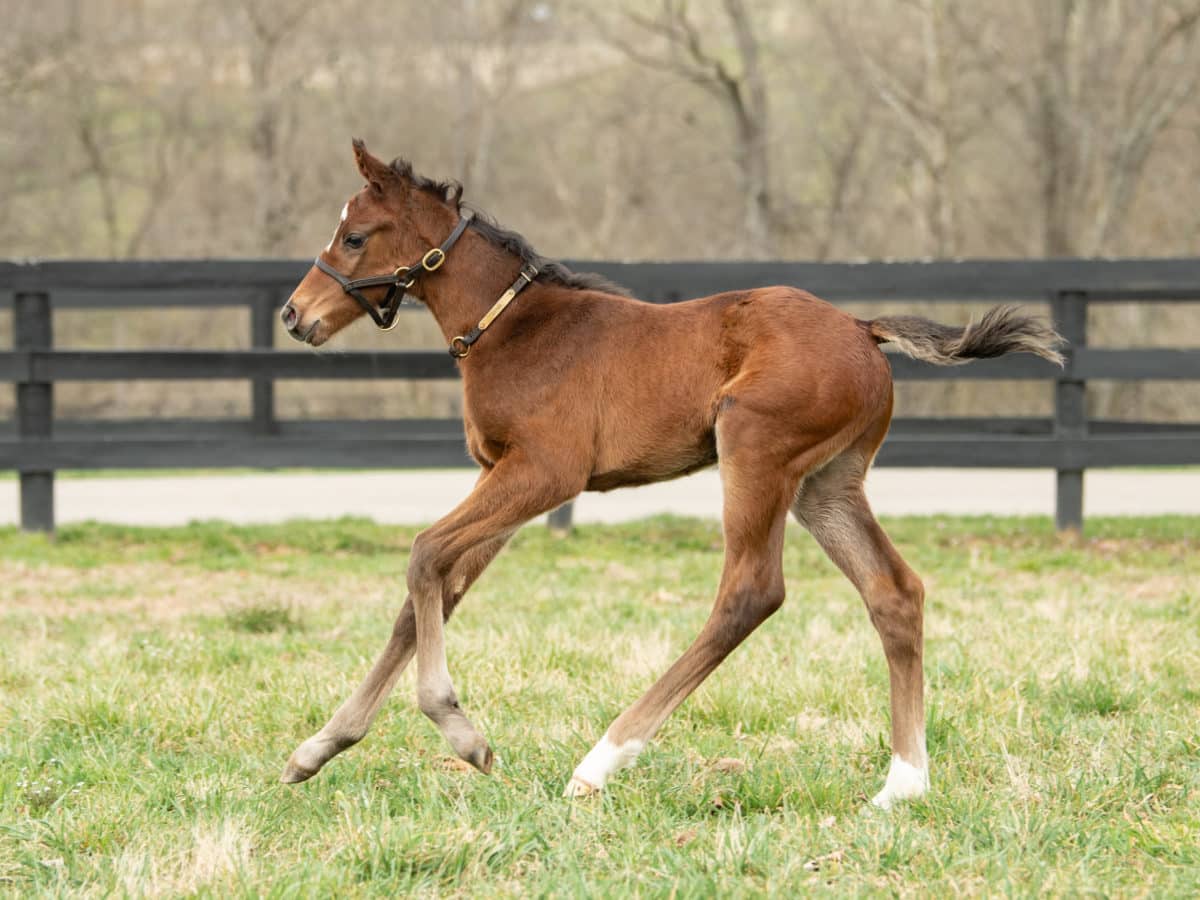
(384, 314)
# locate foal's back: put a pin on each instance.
(639, 387)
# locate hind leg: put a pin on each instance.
(751, 590)
(833, 507)
(760, 470)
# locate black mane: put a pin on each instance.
(506, 239)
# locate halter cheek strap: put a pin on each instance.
(400, 280)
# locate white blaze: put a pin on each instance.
(345, 213)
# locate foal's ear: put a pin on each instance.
(378, 173)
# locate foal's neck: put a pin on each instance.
(476, 272)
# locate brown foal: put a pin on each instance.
(570, 385)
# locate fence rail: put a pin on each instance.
(36, 444)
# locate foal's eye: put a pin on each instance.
(354, 240)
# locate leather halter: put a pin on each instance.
(405, 276)
(384, 314)
(461, 345)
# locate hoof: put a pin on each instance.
(904, 782)
(482, 759)
(294, 773)
(577, 789)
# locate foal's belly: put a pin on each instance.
(659, 464)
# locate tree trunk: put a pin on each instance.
(749, 101)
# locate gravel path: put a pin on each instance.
(417, 497)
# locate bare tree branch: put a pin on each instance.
(743, 95)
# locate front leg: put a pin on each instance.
(514, 492)
(354, 717)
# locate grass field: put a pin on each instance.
(154, 681)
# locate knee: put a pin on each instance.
(423, 564)
(767, 602)
(771, 600)
(749, 607)
(908, 590)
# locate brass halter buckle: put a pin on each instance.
(459, 347)
(438, 255)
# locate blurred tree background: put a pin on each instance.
(665, 129)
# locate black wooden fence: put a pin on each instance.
(1068, 442)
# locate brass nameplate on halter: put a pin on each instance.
(497, 308)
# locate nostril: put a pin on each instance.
(289, 316)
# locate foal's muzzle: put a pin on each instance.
(291, 321)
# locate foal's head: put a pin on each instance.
(391, 222)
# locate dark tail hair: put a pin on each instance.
(1003, 329)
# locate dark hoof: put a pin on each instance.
(482, 759)
(294, 773)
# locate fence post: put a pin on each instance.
(263, 311)
(559, 520)
(32, 330)
(1070, 406)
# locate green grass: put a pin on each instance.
(153, 681)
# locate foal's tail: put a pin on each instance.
(1003, 329)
